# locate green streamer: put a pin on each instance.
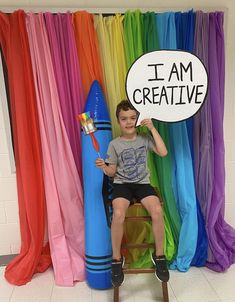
(140, 36)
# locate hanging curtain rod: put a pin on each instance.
(110, 11)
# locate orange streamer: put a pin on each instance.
(88, 51)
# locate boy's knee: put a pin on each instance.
(118, 216)
(156, 212)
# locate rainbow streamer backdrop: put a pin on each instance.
(58, 57)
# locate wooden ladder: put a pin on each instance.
(141, 270)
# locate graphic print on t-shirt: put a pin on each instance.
(134, 163)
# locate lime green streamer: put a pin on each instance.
(136, 232)
(133, 36)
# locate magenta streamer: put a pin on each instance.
(67, 74)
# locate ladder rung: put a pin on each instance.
(137, 218)
(137, 245)
(138, 270)
(138, 205)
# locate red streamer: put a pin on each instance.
(33, 256)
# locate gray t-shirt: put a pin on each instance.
(130, 156)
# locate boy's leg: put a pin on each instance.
(153, 206)
(120, 206)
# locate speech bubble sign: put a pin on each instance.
(167, 85)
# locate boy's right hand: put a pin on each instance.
(100, 163)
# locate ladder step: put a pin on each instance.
(138, 270)
(137, 218)
(138, 205)
(137, 245)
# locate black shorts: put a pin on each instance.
(133, 192)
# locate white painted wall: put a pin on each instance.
(9, 222)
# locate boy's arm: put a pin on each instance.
(109, 170)
(160, 147)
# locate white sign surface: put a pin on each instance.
(167, 85)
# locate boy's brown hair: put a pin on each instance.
(125, 106)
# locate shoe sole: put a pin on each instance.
(119, 284)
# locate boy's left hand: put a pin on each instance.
(147, 123)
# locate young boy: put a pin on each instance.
(127, 159)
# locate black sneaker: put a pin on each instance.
(117, 273)
(161, 272)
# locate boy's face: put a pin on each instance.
(127, 120)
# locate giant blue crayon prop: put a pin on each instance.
(98, 250)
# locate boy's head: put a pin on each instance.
(126, 116)
(124, 106)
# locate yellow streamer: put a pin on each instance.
(110, 36)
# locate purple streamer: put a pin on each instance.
(221, 235)
(203, 142)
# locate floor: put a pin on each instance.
(197, 285)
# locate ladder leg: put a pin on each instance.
(165, 292)
(116, 294)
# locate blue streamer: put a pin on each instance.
(185, 25)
